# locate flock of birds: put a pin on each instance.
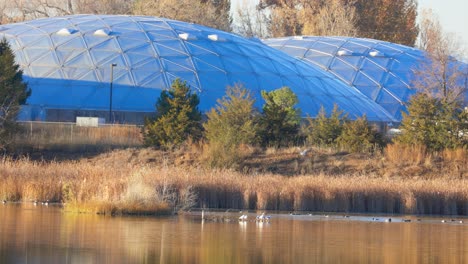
(262, 218)
(259, 218)
(35, 202)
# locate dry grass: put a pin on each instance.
(68, 136)
(161, 186)
(404, 160)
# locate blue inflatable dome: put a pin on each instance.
(70, 63)
(380, 70)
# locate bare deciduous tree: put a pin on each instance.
(204, 13)
(252, 22)
(332, 19)
(285, 20)
(389, 20)
(20, 10)
(301, 17)
(443, 76)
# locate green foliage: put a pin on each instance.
(324, 131)
(230, 124)
(177, 118)
(434, 123)
(280, 119)
(359, 136)
(13, 93)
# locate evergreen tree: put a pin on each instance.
(359, 136)
(280, 119)
(324, 131)
(177, 118)
(13, 93)
(434, 123)
(230, 124)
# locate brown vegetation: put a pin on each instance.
(147, 181)
(40, 136)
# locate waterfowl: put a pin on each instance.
(263, 218)
(260, 218)
(243, 217)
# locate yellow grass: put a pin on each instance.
(122, 187)
(68, 136)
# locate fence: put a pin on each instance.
(69, 136)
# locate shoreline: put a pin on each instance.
(232, 215)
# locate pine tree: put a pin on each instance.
(230, 124)
(280, 119)
(177, 118)
(13, 93)
(434, 123)
(359, 136)
(324, 131)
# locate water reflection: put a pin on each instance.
(40, 234)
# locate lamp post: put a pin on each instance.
(110, 98)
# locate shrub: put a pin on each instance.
(359, 136)
(434, 123)
(232, 123)
(324, 131)
(177, 118)
(279, 123)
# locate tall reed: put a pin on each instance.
(130, 188)
(69, 136)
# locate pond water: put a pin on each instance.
(40, 234)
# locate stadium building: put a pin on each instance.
(115, 67)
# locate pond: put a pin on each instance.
(47, 234)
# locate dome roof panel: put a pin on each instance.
(170, 48)
(44, 71)
(363, 79)
(46, 59)
(178, 64)
(295, 51)
(370, 91)
(199, 48)
(108, 45)
(213, 63)
(32, 54)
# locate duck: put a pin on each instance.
(263, 218)
(243, 218)
(260, 218)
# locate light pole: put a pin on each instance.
(110, 97)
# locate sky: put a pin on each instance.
(453, 15)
